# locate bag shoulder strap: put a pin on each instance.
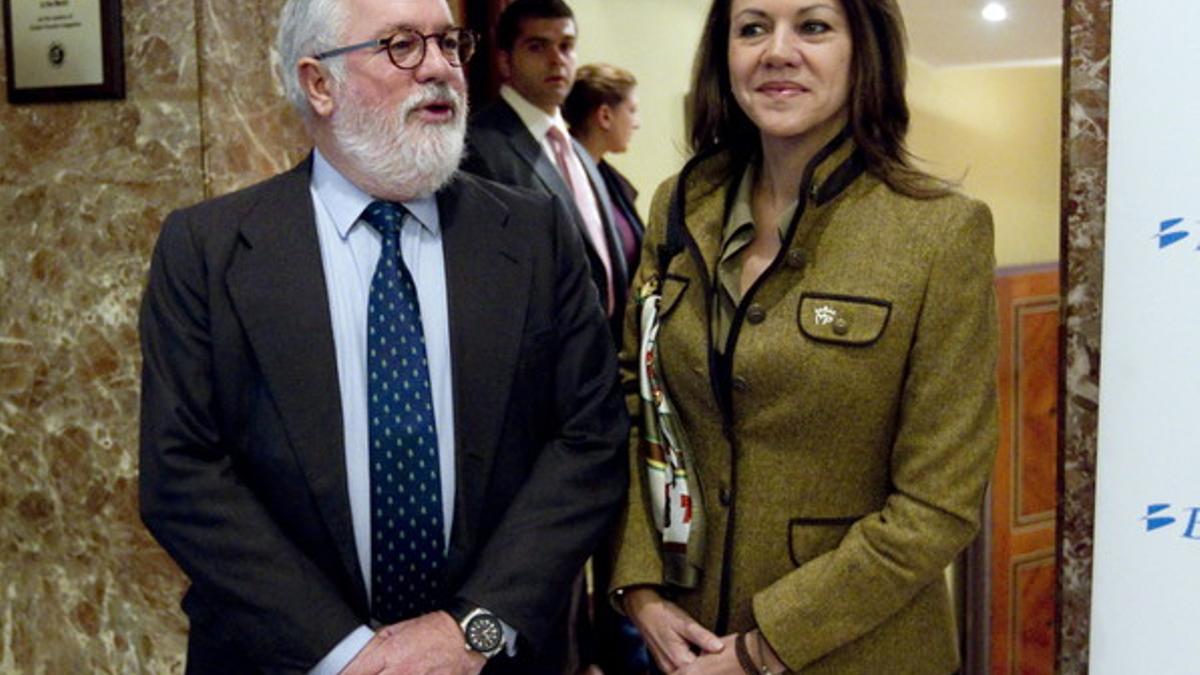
(673, 242)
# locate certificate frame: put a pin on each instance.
(108, 30)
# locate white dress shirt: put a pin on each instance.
(535, 119)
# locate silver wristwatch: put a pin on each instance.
(481, 629)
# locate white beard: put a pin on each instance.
(406, 160)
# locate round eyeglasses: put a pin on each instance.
(406, 48)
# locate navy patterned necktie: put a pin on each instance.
(407, 558)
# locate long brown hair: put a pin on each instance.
(878, 110)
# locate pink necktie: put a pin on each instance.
(585, 200)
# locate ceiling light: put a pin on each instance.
(994, 12)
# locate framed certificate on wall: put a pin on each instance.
(63, 50)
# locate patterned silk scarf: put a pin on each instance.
(674, 487)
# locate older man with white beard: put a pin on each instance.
(380, 420)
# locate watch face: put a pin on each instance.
(483, 633)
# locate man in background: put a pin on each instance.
(380, 425)
(521, 138)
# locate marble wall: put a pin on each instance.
(83, 189)
(1085, 149)
(249, 129)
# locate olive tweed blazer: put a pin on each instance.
(844, 443)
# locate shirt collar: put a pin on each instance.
(344, 201)
(534, 118)
(741, 215)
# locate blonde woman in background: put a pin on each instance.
(602, 113)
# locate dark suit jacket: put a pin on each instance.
(500, 147)
(243, 476)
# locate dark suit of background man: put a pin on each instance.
(260, 322)
(510, 139)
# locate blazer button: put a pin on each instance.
(725, 495)
(796, 259)
(756, 314)
(841, 327)
(740, 383)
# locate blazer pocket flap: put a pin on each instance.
(843, 319)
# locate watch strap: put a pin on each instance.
(459, 609)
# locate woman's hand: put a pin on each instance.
(724, 662)
(727, 662)
(670, 634)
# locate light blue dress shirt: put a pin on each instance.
(349, 251)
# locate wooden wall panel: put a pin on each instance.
(483, 73)
(1021, 532)
(1036, 387)
(1033, 650)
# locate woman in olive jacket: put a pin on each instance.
(827, 339)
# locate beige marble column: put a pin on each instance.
(83, 188)
(250, 131)
(1085, 149)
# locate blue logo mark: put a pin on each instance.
(1153, 524)
(1167, 238)
(1157, 518)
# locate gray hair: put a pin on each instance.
(307, 27)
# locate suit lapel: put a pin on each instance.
(487, 282)
(277, 284)
(529, 149)
(604, 201)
